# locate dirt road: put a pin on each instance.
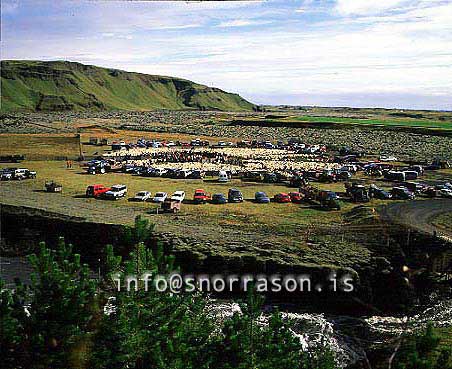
(419, 214)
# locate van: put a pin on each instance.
(223, 176)
(235, 195)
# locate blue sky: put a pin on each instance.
(388, 53)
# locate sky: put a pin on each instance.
(360, 53)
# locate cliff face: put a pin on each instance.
(61, 85)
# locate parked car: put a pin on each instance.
(178, 196)
(261, 198)
(97, 167)
(296, 197)
(96, 190)
(387, 158)
(27, 173)
(410, 175)
(196, 174)
(223, 176)
(160, 197)
(219, 198)
(418, 168)
(128, 168)
(183, 173)
(414, 187)
(142, 196)
(235, 195)
(17, 174)
(6, 174)
(401, 193)
(116, 192)
(329, 200)
(379, 193)
(357, 192)
(393, 175)
(430, 191)
(200, 196)
(446, 192)
(282, 197)
(159, 172)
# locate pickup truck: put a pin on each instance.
(116, 192)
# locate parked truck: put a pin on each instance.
(326, 199)
(357, 192)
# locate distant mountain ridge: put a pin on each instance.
(61, 85)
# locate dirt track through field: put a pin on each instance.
(419, 214)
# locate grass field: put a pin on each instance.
(283, 232)
(248, 213)
(40, 146)
(58, 146)
(444, 221)
(389, 122)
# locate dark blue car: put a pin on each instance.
(261, 198)
(219, 198)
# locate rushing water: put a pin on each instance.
(349, 338)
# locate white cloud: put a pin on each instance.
(390, 47)
(360, 7)
(242, 23)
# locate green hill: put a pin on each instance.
(60, 85)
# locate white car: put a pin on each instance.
(160, 197)
(116, 192)
(160, 172)
(142, 196)
(446, 192)
(178, 196)
(387, 158)
(223, 176)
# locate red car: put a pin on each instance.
(296, 197)
(282, 197)
(201, 196)
(96, 190)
